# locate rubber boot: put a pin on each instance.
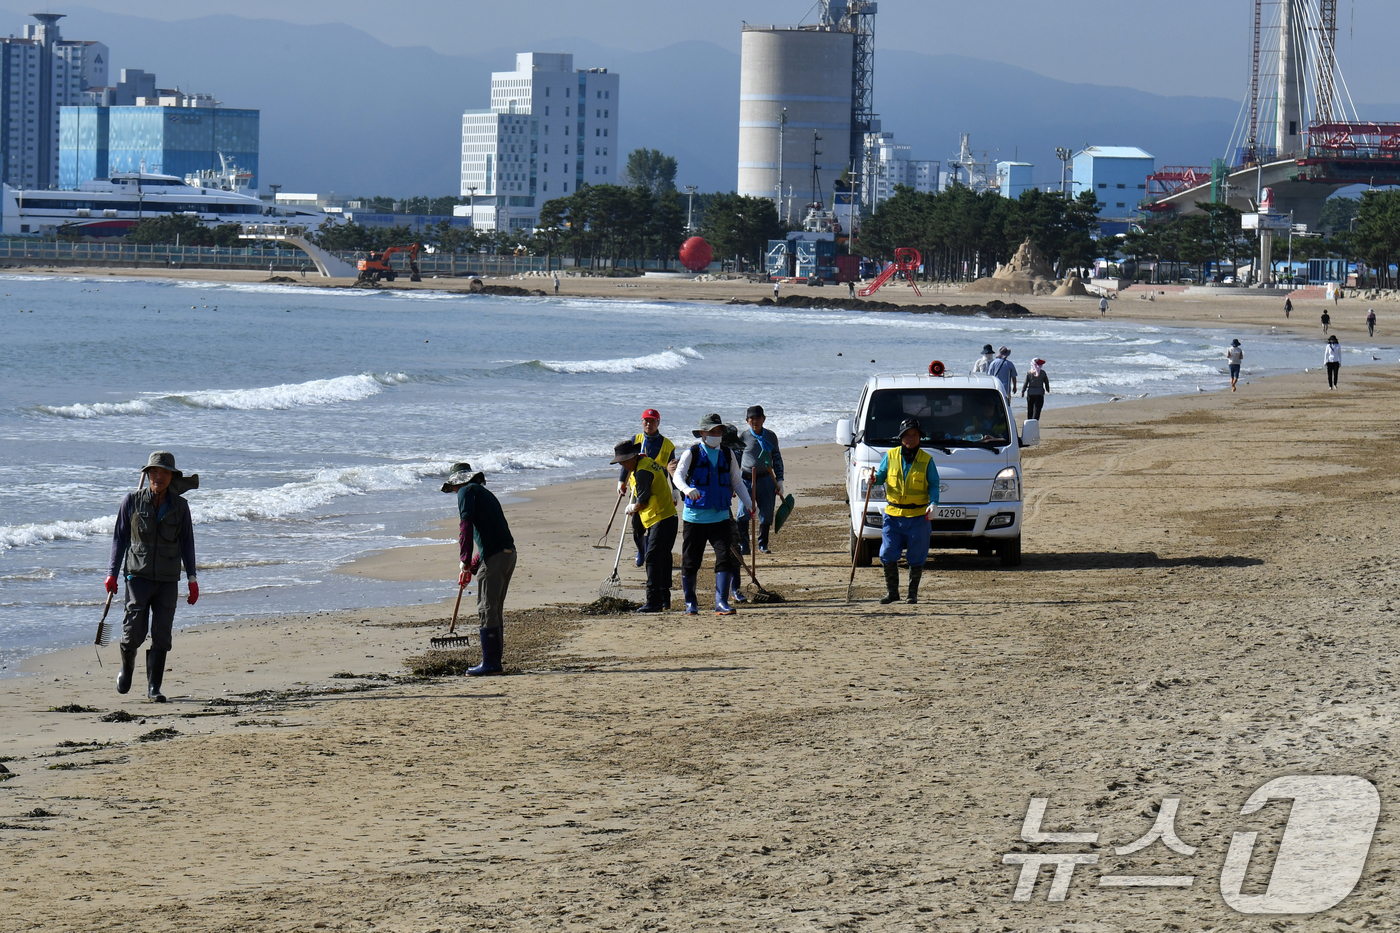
(692, 606)
(492, 643)
(738, 588)
(891, 584)
(724, 583)
(763, 530)
(155, 673)
(915, 575)
(128, 668)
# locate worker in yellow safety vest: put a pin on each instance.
(653, 508)
(911, 493)
(659, 448)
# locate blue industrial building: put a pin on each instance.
(94, 142)
(1118, 176)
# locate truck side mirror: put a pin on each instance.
(1030, 433)
(844, 435)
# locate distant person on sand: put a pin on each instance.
(911, 486)
(556, 283)
(483, 525)
(1287, 307)
(1326, 321)
(1332, 357)
(984, 362)
(1005, 371)
(850, 289)
(1371, 322)
(1037, 386)
(775, 291)
(1103, 306)
(1234, 356)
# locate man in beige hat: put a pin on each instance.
(153, 537)
(483, 525)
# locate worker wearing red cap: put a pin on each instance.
(658, 448)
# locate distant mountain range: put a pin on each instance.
(343, 111)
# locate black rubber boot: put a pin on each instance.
(763, 529)
(692, 606)
(155, 673)
(891, 584)
(492, 644)
(128, 668)
(915, 575)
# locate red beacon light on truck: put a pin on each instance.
(936, 368)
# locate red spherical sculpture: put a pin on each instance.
(696, 254)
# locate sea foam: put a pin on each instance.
(269, 398)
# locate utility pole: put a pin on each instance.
(1064, 155)
(690, 207)
(782, 131)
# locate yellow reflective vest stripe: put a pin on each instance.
(907, 494)
(666, 454)
(658, 506)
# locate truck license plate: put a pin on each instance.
(952, 513)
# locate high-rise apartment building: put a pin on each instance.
(550, 131)
(888, 165)
(39, 73)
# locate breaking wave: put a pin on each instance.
(270, 398)
(670, 358)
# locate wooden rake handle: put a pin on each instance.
(453, 627)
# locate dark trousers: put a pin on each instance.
(1333, 370)
(150, 606)
(763, 497)
(660, 540)
(719, 535)
(1035, 404)
(639, 533)
(492, 582)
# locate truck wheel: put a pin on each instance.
(1010, 552)
(860, 551)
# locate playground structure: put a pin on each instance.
(906, 262)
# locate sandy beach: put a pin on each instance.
(1207, 602)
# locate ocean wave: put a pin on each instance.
(670, 358)
(270, 398)
(13, 536)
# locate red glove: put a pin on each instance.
(194, 592)
(464, 578)
(111, 585)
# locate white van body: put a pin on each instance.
(979, 465)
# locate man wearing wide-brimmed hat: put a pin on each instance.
(708, 476)
(484, 526)
(653, 507)
(153, 537)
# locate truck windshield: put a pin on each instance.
(951, 417)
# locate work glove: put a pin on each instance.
(621, 486)
(781, 495)
(194, 592)
(111, 585)
(693, 495)
(632, 508)
(464, 576)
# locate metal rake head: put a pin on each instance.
(104, 635)
(611, 588)
(450, 642)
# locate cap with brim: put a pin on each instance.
(987, 348)
(1004, 351)
(625, 450)
(755, 411)
(910, 424)
(708, 424)
(1235, 342)
(460, 474)
(730, 438)
(1040, 362)
(652, 414)
(163, 459)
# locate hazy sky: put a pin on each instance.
(1195, 47)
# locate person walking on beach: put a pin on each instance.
(984, 361)
(1103, 306)
(483, 527)
(763, 476)
(153, 538)
(1371, 323)
(1234, 356)
(658, 448)
(556, 283)
(911, 492)
(1326, 320)
(1005, 371)
(1036, 387)
(1287, 307)
(654, 509)
(850, 289)
(775, 291)
(1332, 357)
(708, 476)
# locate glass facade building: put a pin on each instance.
(94, 142)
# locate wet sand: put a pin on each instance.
(1208, 601)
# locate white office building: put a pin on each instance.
(39, 73)
(891, 165)
(550, 131)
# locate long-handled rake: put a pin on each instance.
(450, 640)
(602, 543)
(860, 535)
(762, 594)
(612, 586)
(104, 634)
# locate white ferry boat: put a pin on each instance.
(112, 207)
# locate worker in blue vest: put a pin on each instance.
(708, 476)
(911, 493)
(659, 449)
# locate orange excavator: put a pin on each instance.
(377, 266)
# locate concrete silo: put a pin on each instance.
(807, 70)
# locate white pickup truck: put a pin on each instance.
(969, 430)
